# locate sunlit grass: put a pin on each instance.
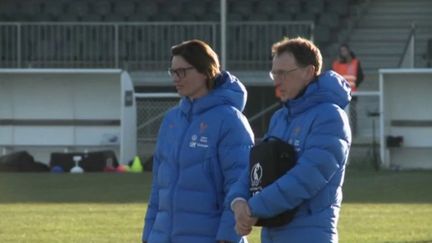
(378, 207)
(378, 222)
(71, 222)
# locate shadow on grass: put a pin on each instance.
(74, 188)
(365, 185)
(414, 241)
(362, 185)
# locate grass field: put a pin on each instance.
(378, 207)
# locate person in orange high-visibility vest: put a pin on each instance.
(348, 65)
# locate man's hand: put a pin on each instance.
(244, 221)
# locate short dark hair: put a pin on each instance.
(304, 51)
(201, 56)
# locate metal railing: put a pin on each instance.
(133, 46)
(407, 59)
(249, 43)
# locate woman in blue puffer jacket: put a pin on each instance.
(202, 148)
(312, 120)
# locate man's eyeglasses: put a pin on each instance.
(179, 72)
(274, 74)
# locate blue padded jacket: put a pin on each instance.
(202, 148)
(317, 126)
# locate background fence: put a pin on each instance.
(151, 108)
(132, 46)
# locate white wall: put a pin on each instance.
(406, 110)
(70, 96)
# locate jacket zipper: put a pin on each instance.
(176, 164)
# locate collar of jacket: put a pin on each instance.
(329, 87)
(228, 91)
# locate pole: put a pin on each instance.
(223, 33)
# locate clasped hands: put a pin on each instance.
(243, 218)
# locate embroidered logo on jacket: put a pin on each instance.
(203, 127)
(255, 178)
(192, 143)
(297, 131)
(202, 142)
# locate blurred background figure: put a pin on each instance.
(347, 65)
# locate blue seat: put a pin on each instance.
(114, 17)
(315, 6)
(162, 17)
(101, 7)
(54, 8)
(213, 7)
(29, 9)
(243, 8)
(322, 34)
(290, 6)
(259, 17)
(42, 17)
(306, 16)
(330, 20)
(184, 17)
(91, 17)
(124, 8)
(9, 10)
(339, 7)
(209, 16)
(68, 17)
(78, 8)
(428, 53)
(267, 7)
(235, 17)
(137, 17)
(147, 8)
(172, 8)
(282, 17)
(197, 9)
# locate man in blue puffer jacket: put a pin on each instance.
(312, 120)
(202, 148)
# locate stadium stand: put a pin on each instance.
(341, 8)
(267, 7)
(335, 21)
(77, 10)
(136, 34)
(148, 11)
(380, 34)
(55, 9)
(290, 6)
(428, 54)
(315, 6)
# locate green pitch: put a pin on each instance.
(103, 207)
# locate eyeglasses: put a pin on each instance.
(179, 72)
(280, 73)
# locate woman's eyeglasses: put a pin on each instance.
(179, 72)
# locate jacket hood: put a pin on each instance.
(228, 90)
(329, 87)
